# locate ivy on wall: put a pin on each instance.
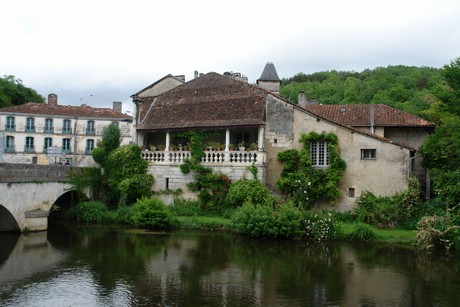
(212, 187)
(306, 184)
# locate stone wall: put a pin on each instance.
(12, 173)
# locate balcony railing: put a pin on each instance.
(10, 127)
(29, 149)
(209, 158)
(88, 151)
(48, 130)
(66, 130)
(10, 149)
(30, 128)
(90, 131)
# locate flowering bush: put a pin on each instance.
(437, 233)
(319, 227)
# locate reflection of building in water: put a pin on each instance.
(32, 254)
(373, 285)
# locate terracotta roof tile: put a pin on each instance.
(65, 111)
(358, 115)
(212, 100)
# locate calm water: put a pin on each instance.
(69, 266)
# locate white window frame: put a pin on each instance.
(319, 153)
(368, 154)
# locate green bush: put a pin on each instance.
(378, 211)
(437, 232)
(362, 232)
(151, 213)
(183, 207)
(263, 221)
(251, 190)
(319, 227)
(91, 212)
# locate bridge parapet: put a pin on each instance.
(15, 173)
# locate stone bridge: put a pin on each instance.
(27, 193)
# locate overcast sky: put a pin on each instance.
(96, 52)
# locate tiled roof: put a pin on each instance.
(358, 115)
(65, 111)
(212, 100)
(269, 73)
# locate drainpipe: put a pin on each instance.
(411, 161)
(75, 141)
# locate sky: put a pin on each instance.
(95, 52)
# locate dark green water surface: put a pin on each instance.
(88, 266)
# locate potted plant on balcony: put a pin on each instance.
(153, 148)
(160, 147)
(231, 147)
(241, 146)
(254, 147)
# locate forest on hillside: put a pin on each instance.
(13, 92)
(408, 88)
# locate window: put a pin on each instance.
(351, 192)
(319, 153)
(368, 154)
(48, 125)
(10, 124)
(48, 143)
(90, 127)
(66, 146)
(66, 127)
(89, 146)
(29, 144)
(30, 124)
(9, 143)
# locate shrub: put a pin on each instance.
(254, 220)
(151, 213)
(319, 227)
(183, 207)
(362, 232)
(251, 190)
(91, 212)
(378, 211)
(258, 220)
(437, 232)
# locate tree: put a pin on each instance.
(13, 92)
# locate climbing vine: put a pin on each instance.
(212, 187)
(304, 183)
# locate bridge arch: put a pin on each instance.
(7, 220)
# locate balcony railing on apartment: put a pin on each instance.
(210, 157)
(30, 128)
(10, 127)
(29, 149)
(88, 151)
(48, 130)
(10, 149)
(66, 130)
(90, 131)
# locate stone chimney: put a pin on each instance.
(195, 74)
(52, 100)
(117, 106)
(302, 99)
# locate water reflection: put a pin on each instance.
(88, 266)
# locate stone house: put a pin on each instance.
(47, 133)
(255, 116)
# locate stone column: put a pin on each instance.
(227, 139)
(260, 139)
(167, 141)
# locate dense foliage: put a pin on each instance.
(151, 213)
(304, 183)
(91, 212)
(248, 190)
(13, 92)
(403, 87)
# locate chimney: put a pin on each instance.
(302, 99)
(372, 117)
(52, 100)
(195, 74)
(117, 106)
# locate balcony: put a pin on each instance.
(10, 127)
(48, 130)
(66, 130)
(88, 151)
(90, 131)
(66, 151)
(29, 149)
(30, 128)
(210, 158)
(10, 149)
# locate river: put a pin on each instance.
(71, 265)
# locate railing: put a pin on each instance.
(210, 157)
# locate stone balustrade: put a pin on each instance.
(209, 158)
